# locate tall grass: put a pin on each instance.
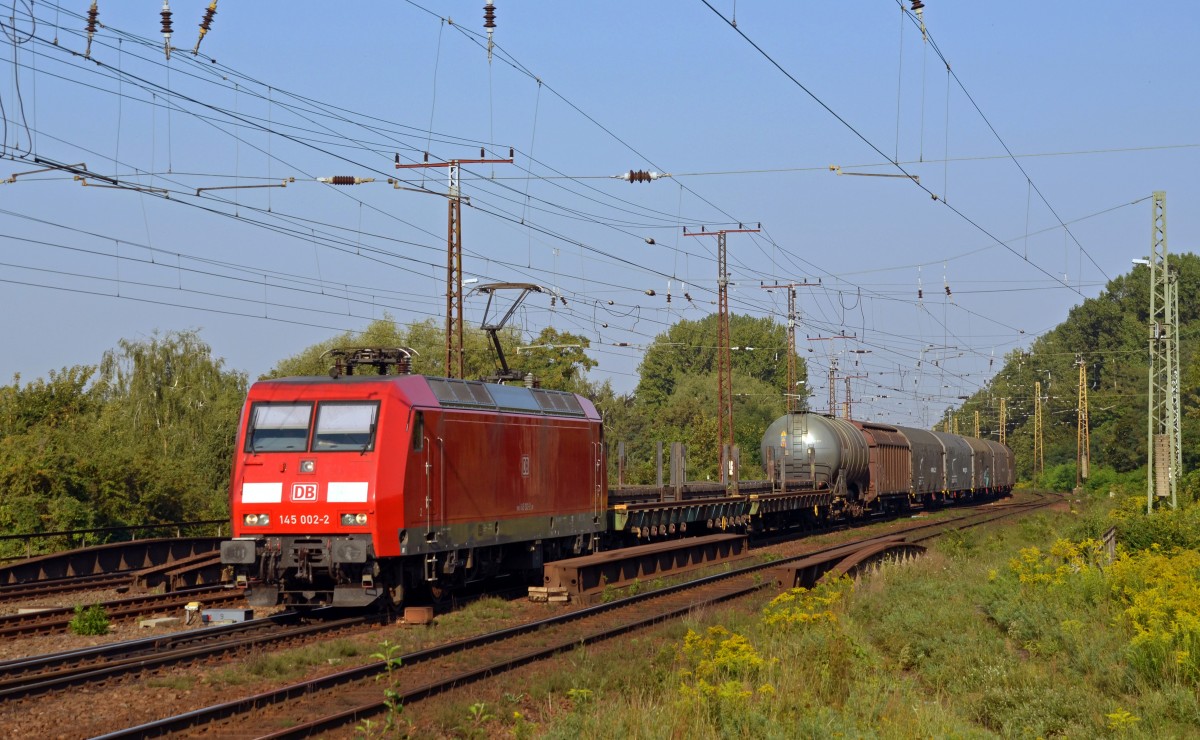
(1022, 630)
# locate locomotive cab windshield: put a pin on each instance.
(278, 427)
(341, 426)
(345, 426)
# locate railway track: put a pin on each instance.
(116, 557)
(175, 574)
(57, 671)
(302, 708)
(50, 621)
(65, 585)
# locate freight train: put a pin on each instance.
(357, 489)
(877, 466)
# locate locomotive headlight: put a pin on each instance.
(308, 466)
(256, 520)
(354, 520)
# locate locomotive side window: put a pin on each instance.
(345, 426)
(418, 431)
(278, 427)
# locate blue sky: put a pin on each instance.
(1097, 101)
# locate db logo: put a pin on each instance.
(304, 492)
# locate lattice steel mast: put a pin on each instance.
(848, 404)
(833, 388)
(1039, 448)
(1163, 452)
(1083, 435)
(791, 397)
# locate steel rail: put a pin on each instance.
(12, 592)
(19, 679)
(58, 619)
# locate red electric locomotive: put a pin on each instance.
(357, 488)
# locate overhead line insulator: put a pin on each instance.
(166, 27)
(205, 24)
(489, 23)
(345, 180)
(633, 176)
(92, 15)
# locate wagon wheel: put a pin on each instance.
(440, 593)
(396, 594)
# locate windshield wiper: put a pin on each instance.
(370, 438)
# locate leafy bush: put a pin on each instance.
(1058, 478)
(1165, 528)
(90, 621)
(1154, 593)
(1104, 481)
(807, 628)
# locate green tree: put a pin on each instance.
(688, 415)
(689, 348)
(146, 436)
(676, 395)
(1111, 332)
(170, 415)
(557, 359)
(46, 434)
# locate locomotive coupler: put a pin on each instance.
(304, 564)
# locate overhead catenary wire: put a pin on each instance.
(951, 73)
(497, 207)
(867, 141)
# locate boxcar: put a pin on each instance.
(1003, 475)
(959, 461)
(983, 464)
(891, 471)
(928, 462)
